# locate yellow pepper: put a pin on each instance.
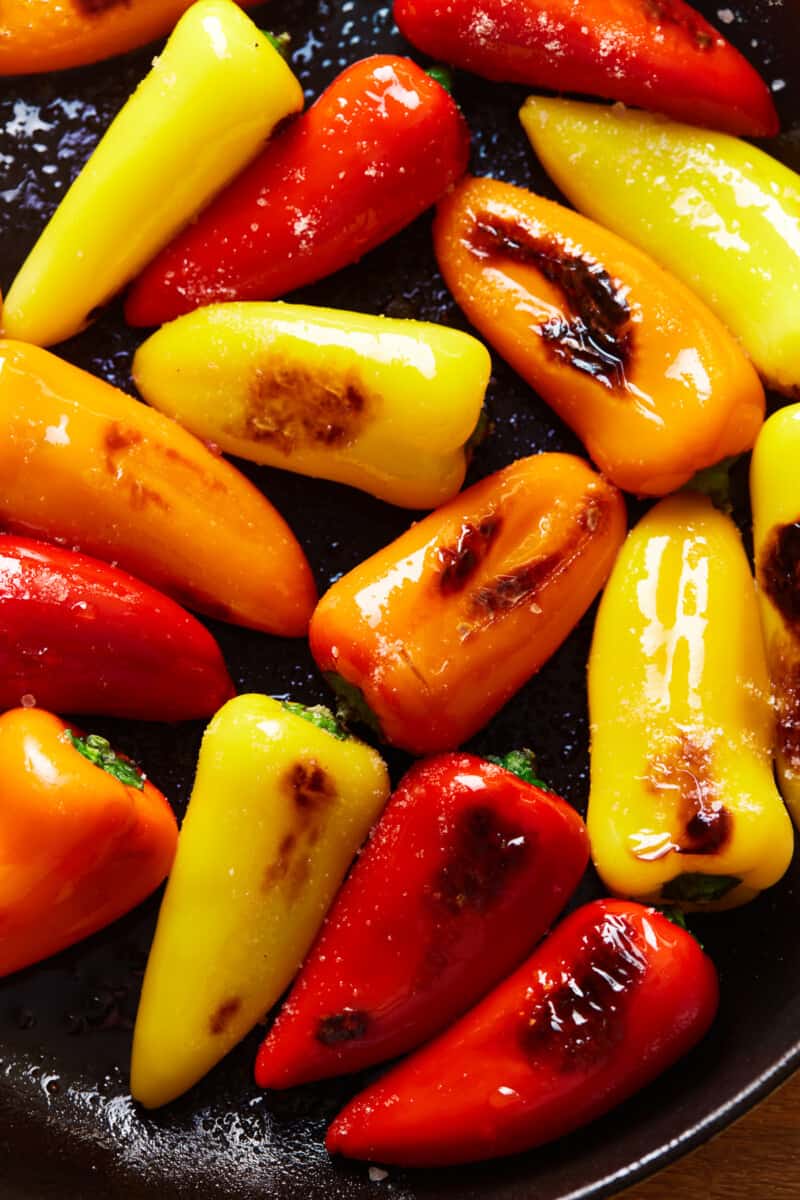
(281, 802)
(683, 807)
(776, 532)
(201, 114)
(383, 405)
(720, 214)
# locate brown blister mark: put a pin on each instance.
(779, 571)
(667, 12)
(581, 1018)
(292, 408)
(523, 585)
(596, 338)
(211, 483)
(312, 792)
(460, 560)
(347, 1026)
(686, 772)
(117, 441)
(223, 1016)
(485, 855)
(95, 7)
(785, 670)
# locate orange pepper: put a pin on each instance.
(427, 639)
(85, 464)
(39, 35)
(645, 374)
(84, 837)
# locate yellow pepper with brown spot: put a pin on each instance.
(282, 800)
(205, 109)
(683, 806)
(776, 533)
(384, 405)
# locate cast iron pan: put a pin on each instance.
(68, 1127)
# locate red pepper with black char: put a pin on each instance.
(467, 868)
(383, 143)
(609, 1001)
(81, 636)
(655, 54)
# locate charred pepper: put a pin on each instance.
(683, 807)
(464, 872)
(85, 464)
(211, 99)
(281, 802)
(645, 374)
(84, 837)
(379, 146)
(429, 637)
(385, 405)
(608, 1002)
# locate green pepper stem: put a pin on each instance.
(443, 76)
(318, 715)
(99, 752)
(279, 41)
(352, 706)
(523, 764)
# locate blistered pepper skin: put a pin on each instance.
(441, 627)
(381, 144)
(78, 847)
(205, 109)
(717, 212)
(776, 536)
(610, 1000)
(82, 636)
(662, 56)
(38, 35)
(467, 868)
(128, 485)
(278, 810)
(641, 370)
(683, 807)
(384, 405)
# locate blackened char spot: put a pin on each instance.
(463, 558)
(486, 853)
(347, 1026)
(779, 571)
(667, 12)
(596, 339)
(580, 1018)
(223, 1016)
(292, 407)
(687, 772)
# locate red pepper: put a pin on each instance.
(465, 871)
(609, 1001)
(380, 145)
(655, 54)
(81, 636)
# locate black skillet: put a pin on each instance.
(68, 1127)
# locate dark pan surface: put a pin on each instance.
(68, 1127)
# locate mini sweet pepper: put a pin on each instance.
(683, 807)
(385, 405)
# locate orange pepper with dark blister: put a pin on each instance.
(38, 35)
(84, 464)
(429, 637)
(84, 837)
(645, 374)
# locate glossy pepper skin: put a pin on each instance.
(80, 843)
(429, 637)
(607, 1002)
(717, 212)
(659, 55)
(467, 868)
(636, 365)
(205, 109)
(379, 146)
(683, 808)
(38, 35)
(385, 405)
(776, 534)
(280, 806)
(125, 483)
(81, 636)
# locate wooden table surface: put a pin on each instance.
(758, 1158)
